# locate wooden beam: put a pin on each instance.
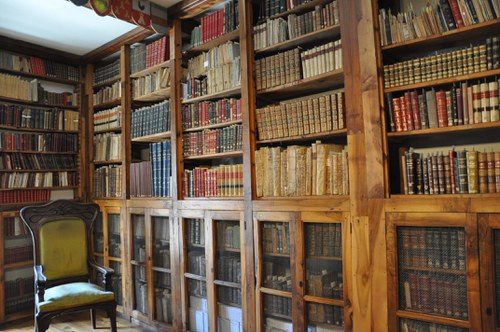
(190, 8)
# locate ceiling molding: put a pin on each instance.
(190, 8)
(113, 46)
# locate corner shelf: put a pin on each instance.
(153, 138)
(215, 155)
(158, 95)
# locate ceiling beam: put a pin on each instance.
(189, 8)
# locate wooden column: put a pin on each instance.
(126, 102)
(367, 304)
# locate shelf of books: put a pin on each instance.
(17, 268)
(300, 101)
(434, 275)
(39, 129)
(441, 97)
(138, 255)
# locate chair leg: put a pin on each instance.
(41, 324)
(112, 317)
(93, 318)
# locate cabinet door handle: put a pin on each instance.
(488, 311)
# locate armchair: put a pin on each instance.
(61, 232)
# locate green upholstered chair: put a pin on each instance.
(63, 262)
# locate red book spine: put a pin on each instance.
(441, 109)
(415, 111)
(408, 111)
(455, 10)
(404, 119)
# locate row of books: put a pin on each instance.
(195, 233)
(229, 296)
(19, 304)
(274, 31)
(162, 230)
(196, 263)
(433, 247)
(462, 104)
(151, 119)
(278, 69)
(218, 181)
(160, 154)
(141, 179)
(107, 147)
(163, 280)
(108, 119)
(207, 113)
(37, 66)
(216, 24)
(18, 254)
(36, 161)
(324, 240)
(274, 304)
(161, 256)
(324, 283)
(410, 325)
(38, 180)
(151, 83)
(302, 116)
(25, 196)
(211, 141)
(292, 171)
(107, 94)
(216, 57)
(228, 235)
(39, 142)
(107, 181)
(18, 287)
(279, 282)
(448, 64)
(116, 282)
(144, 56)
(14, 227)
(18, 116)
(321, 59)
(141, 296)
(197, 288)
(434, 19)
(229, 268)
(321, 314)
(276, 238)
(455, 172)
(163, 305)
(106, 72)
(270, 8)
(434, 294)
(17, 87)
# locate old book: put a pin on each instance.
(404, 174)
(430, 98)
(485, 102)
(490, 158)
(449, 108)
(425, 176)
(472, 172)
(417, 124)
(441, 175)
(407, 110)
(482, 172)
(447, 173)
(422, 108)
(430, 175)
(462, 172)
(494, 104)
(435, 174)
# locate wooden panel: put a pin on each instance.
(303, 204)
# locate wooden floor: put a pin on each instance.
(74, 323)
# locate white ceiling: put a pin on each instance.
(59, 24)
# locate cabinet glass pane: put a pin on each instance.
(323, 317)
(114, 235)
(228, 254)
(277, 313)
(139, 231)
(141, 289)
(323, 249)
(116, 280)
(432, 271)
(161, 245)
(163, 297)
(18, 245)
(496, 243)
(19, 291)
(229, 317)
(412, 325)
(198, 311)
(98, 235)
(276, 255)
(195, 239)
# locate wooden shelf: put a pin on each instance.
(214, 198)
(236, 91)
(277, 292)
(444, 40)
(213, 126)
(331, 80)
(327, 258)
(153, 138)
(107, 82)
(111, 130)
(227, 283)
(280, 316)
(235, 250)
(433, 318)
(216, 155)
(107, 162)
(433, 269)
(297, 9)
(196, 245)
(305, 138)
(35, 103)
(330, 33)
(18, 264)
(268, 254)
(47, 188)
(445, 130)
(195, 277)
(323, 300)
(107, 104)
(115, 259)
(288, 198)
(444, 196)
(38, 170)
(137, 263)
(34, 130)
(444, 81)
(232, 35)
(151, 69)
(161, 269)
(41, 77)
(37, 152)
(154, 96)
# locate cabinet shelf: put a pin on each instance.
(325, 258)
(227, 283)
(434, 270)
(433, 197)
(18, 264)
(276, 315)
(297, 9)
(322, 300)
(161, 269)
(107, 162)
(235, 250)
(106, 82)
(232, 35)
(41, 77)
(107, 104)
(431, 318)
(445, 130)
(213, 126)
(36, 152)
(110, 130)
(137, 263)
(151, 69)
(330, 32)
(35, 103)
(269, 254)
(271, 291)
(444, 40)
(47, 188)
(444, 81)
(306, 138)
(330, 80)
(153, 138)
(35, 130)
(236, 91)
(216, 155)
(195, 277)
(158, 95)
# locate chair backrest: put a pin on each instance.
(61, 231)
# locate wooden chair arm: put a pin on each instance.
(106, 273)
(40, 280)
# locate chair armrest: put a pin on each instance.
(106, 273)
(40, 280)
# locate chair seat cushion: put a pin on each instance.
(73, 295)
